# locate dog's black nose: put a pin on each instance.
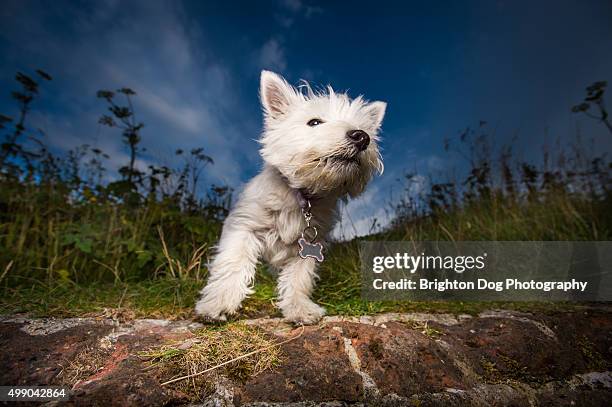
(359, 138)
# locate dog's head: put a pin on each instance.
(321, 142)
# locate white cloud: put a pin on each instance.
(293, 5)
(272, 56)
(186, 95)
(299, 6)
(181, 116)
(367, 214)
(417, 185)
(292, 10)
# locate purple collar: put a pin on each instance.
(302, 195)
(303, 198)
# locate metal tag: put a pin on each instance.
(308, 249)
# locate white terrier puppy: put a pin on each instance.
(317, 148)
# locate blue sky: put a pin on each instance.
(440, 66)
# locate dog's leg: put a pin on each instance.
(295, 284)
(231, 274)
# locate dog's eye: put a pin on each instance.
(315, 122)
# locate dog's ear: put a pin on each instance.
(276, 94)
(375, 112)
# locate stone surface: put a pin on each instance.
(498, 358)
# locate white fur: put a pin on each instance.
(267, 219)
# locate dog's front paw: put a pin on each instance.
(303, 312)
(209, 312)
(212, 308)
(219, 300)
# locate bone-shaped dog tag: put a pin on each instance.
(307, 249)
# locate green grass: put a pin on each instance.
(158, 298)
(173, 298)
(171, 291)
